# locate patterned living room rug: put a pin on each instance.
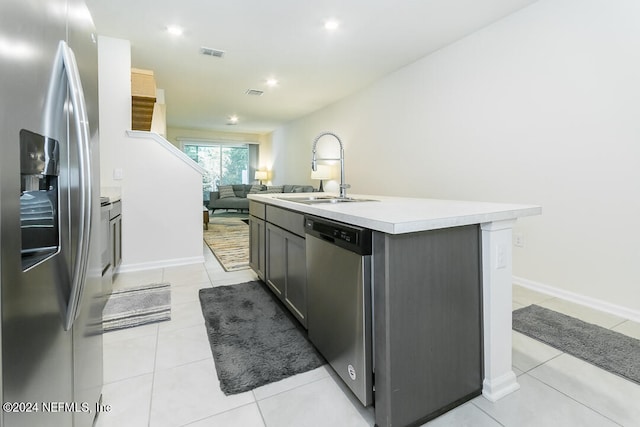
(131, 307)
(228, 239)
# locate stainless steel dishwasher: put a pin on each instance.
(339, 305)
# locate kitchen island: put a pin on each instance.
(418, 242)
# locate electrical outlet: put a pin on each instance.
(118, 174)
(501, 256)
(518, 240)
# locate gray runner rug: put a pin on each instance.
(131, 307)
(254, 339)
(607, 349)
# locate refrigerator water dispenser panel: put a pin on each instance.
(39, 169)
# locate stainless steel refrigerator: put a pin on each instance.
(51, 296)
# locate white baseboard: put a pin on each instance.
(596, 304)
(500, 387)
(127, 268)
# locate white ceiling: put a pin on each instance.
(283, 39)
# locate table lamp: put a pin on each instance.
(322, 172)
(260, 175)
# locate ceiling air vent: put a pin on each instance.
(254, 92)
(212, 52)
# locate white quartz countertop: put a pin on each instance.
(398, 215)
(113, 193)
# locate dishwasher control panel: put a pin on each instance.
(353, 238)
(347, 236)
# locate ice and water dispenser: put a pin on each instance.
(39, 171)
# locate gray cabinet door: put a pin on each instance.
(296, 274)
(257, 235)
(286, 270)
(276, 265)
(116, 242)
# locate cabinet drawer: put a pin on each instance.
(286, 219)
(257, 209)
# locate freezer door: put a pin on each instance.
(51, 319)
(37, 355)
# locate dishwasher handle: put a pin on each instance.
(326, 238)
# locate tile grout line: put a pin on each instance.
(619, 324)
(486, 413)
(153, 378)
(255, 399)
(569, 396)
(155, 361)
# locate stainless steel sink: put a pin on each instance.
(313, 200)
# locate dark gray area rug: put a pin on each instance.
(254, 340)
(607, 349)
(142, 305)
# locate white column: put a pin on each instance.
(499, 379)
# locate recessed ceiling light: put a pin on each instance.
(232, 120)
(175, 30)
(272, 82)
(331, 25)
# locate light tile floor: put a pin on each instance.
(163, 375)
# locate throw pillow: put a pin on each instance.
(255, 188)
(239, 190)
(226, 191)
(274, 189)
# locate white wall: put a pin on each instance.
(114, 87)
(162, 206)
(541, 107)
(161, 195)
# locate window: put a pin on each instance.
(224, 163)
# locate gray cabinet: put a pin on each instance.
(277, 254)
(427, 324)
(296, 274)
(286, 269)
(257, 245)
(257, 238)
(115, 234)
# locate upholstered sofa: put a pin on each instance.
(235, 196)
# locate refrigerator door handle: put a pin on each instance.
(81, 123)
